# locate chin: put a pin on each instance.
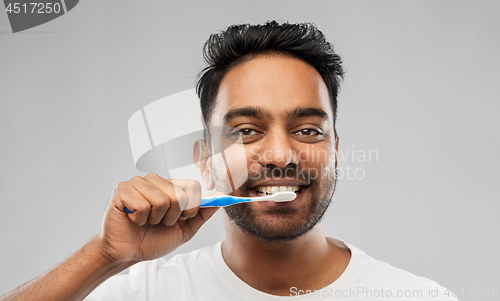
(271, 224)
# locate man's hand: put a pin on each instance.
(156, 227)
(165, 214)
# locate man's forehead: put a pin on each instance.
(271, 86)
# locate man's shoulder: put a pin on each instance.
(382, 271)
(380, 276)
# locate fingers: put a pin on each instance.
(178, 197)
(175, 209)
(128, 196)
(159, 201)
(192, 189)
(203, 215)
(154, 200)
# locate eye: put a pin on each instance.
(308, 135)
(248, 132)
(308, 132)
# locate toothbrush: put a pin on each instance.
(226, 200)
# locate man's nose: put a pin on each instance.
(277, 149)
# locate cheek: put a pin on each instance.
(219, 174)
(317, 156)
(232, 163)
(328, 166)
(319, 162)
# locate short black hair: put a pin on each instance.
(240, 43)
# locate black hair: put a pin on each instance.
(240, 43)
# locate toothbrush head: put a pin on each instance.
(283, 196)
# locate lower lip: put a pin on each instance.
(288, 203)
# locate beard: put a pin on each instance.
(286, 223)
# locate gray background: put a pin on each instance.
(421, 89)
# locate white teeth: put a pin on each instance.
(268, 190)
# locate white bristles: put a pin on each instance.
(284, 196)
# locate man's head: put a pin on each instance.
(240, 43)
(276, 85)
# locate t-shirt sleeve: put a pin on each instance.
(123, 287)
(147, 280)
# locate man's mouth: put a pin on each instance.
(269, 190)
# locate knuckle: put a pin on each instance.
(169, 184)
(163, 203)
(152, 176)
(194, 185)
(122, 186)
(149, 188)
(136, 179)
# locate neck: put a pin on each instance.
(310, 262)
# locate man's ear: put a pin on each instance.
(202, 160)
(336, 151)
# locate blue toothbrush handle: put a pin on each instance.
(222, 200)
(216, 201)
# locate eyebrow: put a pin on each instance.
(309, 112)
(246, 112)
(256, 112)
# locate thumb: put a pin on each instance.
(206, 213)
(216, 193)
(203, 215)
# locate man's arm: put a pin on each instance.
(155, 227)
(72, 279)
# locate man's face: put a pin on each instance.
(281, 107)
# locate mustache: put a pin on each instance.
(290, 172)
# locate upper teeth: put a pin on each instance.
(274, 189)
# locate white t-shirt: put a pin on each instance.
(204, 275)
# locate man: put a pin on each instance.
(276, 85)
